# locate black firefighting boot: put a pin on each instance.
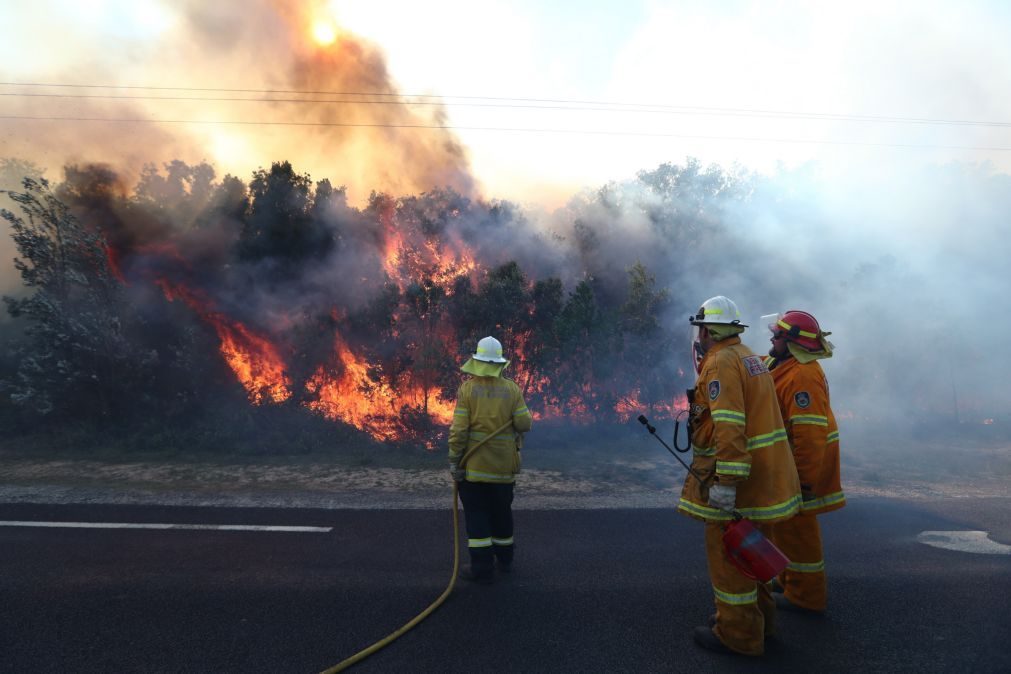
(503, 558)
(706, 638)
(481, 567)
(712, 623)
(486, 578)
(784, 604)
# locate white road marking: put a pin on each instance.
(977, 542)
(155, 525)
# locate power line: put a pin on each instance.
(542, 103)
(447, 127)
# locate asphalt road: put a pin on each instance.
(593, 591)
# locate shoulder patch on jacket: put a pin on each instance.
(714, 389)
(802, 398)
(755, 365)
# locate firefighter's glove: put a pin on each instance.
(459, 474)
(723, 496)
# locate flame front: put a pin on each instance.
(255, 361)
(358, 397)
(352, 387)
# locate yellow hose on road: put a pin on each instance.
(361, 655)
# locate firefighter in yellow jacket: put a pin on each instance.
(797, 344)
(486, 402)
(740, 451)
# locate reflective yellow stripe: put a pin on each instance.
(521, 410)
(811, 419)
(807, 567)
(502, 541)
(783, 509)
(733, 468)
(833, 436)
(703, 511)
(803, 333)
(765, 439)
(730, 416)
(823, 501)
(736, 599)
(703, 451)
(478, 542)
(461, 412)
(478, 476)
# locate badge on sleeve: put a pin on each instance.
(714, 389)
(755, 365)
(802, 398)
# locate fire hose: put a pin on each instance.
(364, 653)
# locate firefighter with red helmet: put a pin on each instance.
(741, 454)
(798, 342)
(489, 420)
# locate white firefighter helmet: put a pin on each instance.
(489, 350)
(718, 310)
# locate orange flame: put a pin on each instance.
(112, 257)
(254, 360)
(361, 399)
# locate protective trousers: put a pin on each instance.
(745, 610)
(487, 509)
(804, 581)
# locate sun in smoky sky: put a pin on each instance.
(324, 32)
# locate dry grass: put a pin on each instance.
(632, 479)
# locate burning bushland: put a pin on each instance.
(275, 314)
(165, 298)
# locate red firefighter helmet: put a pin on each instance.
(801, 328)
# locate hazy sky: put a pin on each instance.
(621, 86)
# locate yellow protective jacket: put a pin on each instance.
(804, 400)
(483, 404)
(738, 438)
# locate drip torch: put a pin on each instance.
(753, 554)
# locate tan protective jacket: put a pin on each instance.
(483, 404)
(804, 399)
(738, 438)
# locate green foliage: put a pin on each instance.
(279, 225)
(182, 193)
(75, 354)
(429, 363)
(431, 212)
(640, 312)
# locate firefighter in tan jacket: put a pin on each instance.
(797, 344)
(740, 451)
(484, 404)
